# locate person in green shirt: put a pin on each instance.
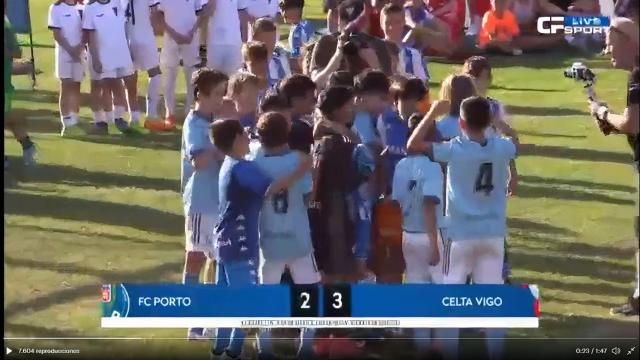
(15, 124)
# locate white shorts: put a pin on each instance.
(70, 70)
(482, 259)
(225, 58)
(303, 270)
(416, 248)
(109, 74)
(172, 53)
(198, 229)
(145, 56)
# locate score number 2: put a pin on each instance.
(337, 300)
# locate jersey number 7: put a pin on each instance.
(484, 180)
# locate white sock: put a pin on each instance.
(170, 90)
(153, 96)
(188, 101)
(69, 120)
(119, 111)
(99, 116)
(135, 116)
(75, 117)
(109, 116)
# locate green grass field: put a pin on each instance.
(107, 209)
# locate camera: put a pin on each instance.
(353, 42)
(579, 72)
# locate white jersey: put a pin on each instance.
(108, 22)
(181, 15)
(224, 25)
(67, 19)
(262, 8)
(139, 28)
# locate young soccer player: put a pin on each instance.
(477, 176)
(274, 102)
(285, 238)
(255, 55)
(265, 31)
(301, 31)
(109, 60)
(417, 187)
(17, 126)
(200, 168)
(300, 93)
(65, 21)
(242, 104)
(454, 89)
(242, 188)
(410, 60)
(372, 99)
(227, 30)
(142, 42)
(180, 46)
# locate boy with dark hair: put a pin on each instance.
(242, 188)
(477, 177)
(300, 92)
(200, 167)
(274, 102)
(301, 31)
(340, 78)
(285, 238)
(265, 30)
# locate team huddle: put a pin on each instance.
(303, 175)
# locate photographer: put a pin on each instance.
(623, 42)
(350, 48)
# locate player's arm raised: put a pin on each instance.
(417, 143)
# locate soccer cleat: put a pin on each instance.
(122, 125)
(630, 308)
(29, 155)
(67, 123)
(100, 128)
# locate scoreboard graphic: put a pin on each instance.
(348, 306)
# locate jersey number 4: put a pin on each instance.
(280, 202)
(484, 180)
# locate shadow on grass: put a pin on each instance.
(142, 241)
(506, 88)
(569, 265)
(544, 111)
(584, 302)
(101, 212)
(550, 135)
(562, 152)
(548, 59)
(557, 246)
(159, 141)
(532, 227)
(585, 288)
(69, 175)
(590, 327)
(582, 183)
(536, 192)
(59, 297)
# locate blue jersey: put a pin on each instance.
(417, 179)
(284, 224)
(449, 127)
(394, 133)
(199, 188)
(242, 188)
(364, 125)
(299, 35)
(477, 177)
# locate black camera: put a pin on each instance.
(353, 43)
(578, 71)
